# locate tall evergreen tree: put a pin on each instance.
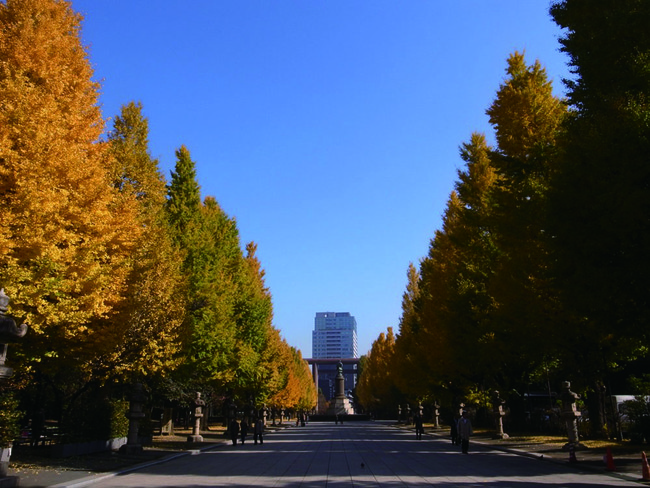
(600, 196)
(184, 195)
(212, 264)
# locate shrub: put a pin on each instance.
(9, 419)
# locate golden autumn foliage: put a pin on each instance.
(376, 387)
(525, 114)
(153, 307)
(478, 315)
(118, 275)
(67, 233)
(299, 391)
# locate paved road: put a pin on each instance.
(359, 455)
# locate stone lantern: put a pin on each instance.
(9, 332)
(265, 413)
(570, 414)
(198, 415)
(436, 414)
(498, 412)
(135, 415)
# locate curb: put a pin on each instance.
(88, 480)
(542, 457)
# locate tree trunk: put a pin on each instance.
(596, 406)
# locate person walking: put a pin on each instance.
(453, 432)
(234, 431)
(38, 427)
(464, 431)
(258, 431)
(419, 427)
(243, 429)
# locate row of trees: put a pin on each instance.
(121, 276)
(540, 271)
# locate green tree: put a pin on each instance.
(599, 196)
(184, 196)
(213, 259)
(253, 314)
(230, 343)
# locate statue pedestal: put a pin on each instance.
(340, 406)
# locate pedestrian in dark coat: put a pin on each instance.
(455, 440)
(38, 427)
(419, 427)
(244, 430)
(258, 431)
(234, 431)
(464, 431)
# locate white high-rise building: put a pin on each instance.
(334, 336)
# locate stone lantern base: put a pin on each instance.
(576, 446)
(6, 481)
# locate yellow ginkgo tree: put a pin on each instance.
(67, 233)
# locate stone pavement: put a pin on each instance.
(355, 454)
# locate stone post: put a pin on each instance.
(498, 412)
(198, 415)
(570, 414)
(135, 414)
(9, 332)
(436, 414)
(167, 421)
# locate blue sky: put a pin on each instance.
(328, 129)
